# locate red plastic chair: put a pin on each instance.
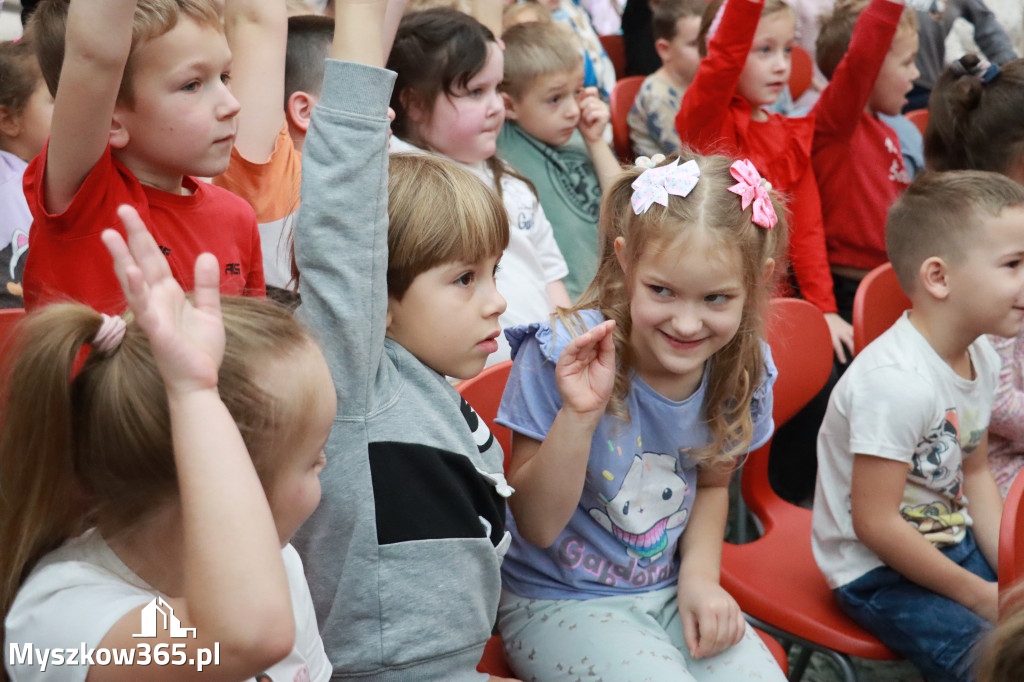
(9, 318)
(775, 579)
(918, 117)
(620, 103)
(1011, 540)
(483, 392)
(801, 73)
(616, 51)
(877, 305)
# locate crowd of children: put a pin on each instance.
(296, 485)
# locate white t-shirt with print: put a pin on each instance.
(899, 400)
(79, 591)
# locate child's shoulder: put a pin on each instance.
(552, 336)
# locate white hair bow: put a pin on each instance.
(655, 184)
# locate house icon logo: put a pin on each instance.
(159, 614)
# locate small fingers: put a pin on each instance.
(143, 246)
(207, 284)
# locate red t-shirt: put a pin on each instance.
(857, 157)
(714, 120)
(68, 261)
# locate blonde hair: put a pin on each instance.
(837, 31)
(770, 7)
(438, 213)
(736, 369)
(536, 49)
(152, 19)
(939, 215)
(77, 449)
(523, 12)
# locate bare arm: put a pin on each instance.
(557, 295)
(97, 43)
(548, 475)
(876, 493)
(984, 502)
(257, 33)
(231, 547)
(712, 620)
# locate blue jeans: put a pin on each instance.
(933, 632)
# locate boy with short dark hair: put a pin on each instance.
(652, 120)
(906, 514)
(141, 106)
(553, 135)
(857, 158)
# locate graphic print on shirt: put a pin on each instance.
(930, 466)
(14, 256)
(647, 505)
(482, 435)
(897, 171)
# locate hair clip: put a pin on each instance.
(649, 162)
(655, 184)
(110, 334)
(752, 188)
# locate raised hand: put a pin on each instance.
(585, 372)
(594, 115)
(187, 339)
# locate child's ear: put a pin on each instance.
(413, 105)
(388, 316)
(118, 133)
(299, 110)
(662, 47)
(620, 252)
(934, 277)
(510, 106)
(10, 123)
(769, 269)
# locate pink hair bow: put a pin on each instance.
(655, 184)
(751, 188)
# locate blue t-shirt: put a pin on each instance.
(640, 482)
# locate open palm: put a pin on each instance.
(585, 372)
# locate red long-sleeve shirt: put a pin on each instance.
(857, 158)
(714, 120)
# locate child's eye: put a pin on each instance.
(659, 290)
(191, 86)
(225, 78)
(497, 267)
(716, 298)
(788, 49)
(465, 279)
(555, 100)
(476, 93)
(1014, 264)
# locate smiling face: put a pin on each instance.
(987, 285)
(464, 125)
(548, 110)
(766, 71)
(897, 76)
(183, 117)
(686, 303)
(448, 317)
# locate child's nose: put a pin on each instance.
(496, 303)
(687, 322)
(230, 106)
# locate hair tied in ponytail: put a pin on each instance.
(972, 65)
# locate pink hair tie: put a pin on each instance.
(753, 189)
(110, 334)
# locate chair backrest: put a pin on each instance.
(9, 318)
(616, 51)
(877, 305)
(918, 117)
(483, 392)
(802, 350)
(801, 73)
(1011, 537)
(620, 103)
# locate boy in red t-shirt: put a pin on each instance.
(142, 105)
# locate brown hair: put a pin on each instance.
(710, 207)
(665, 16)
(152, 19)
(837, 30)
(770, 7)
(309, 45)
(535, 49)
(95, 447)
(1002, 651)
(438, 213)
(938, 216)
(19, 74)
(974, 124)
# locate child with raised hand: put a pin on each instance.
(628, 414)
(906, 514)
(447, 101)
(151, 476)
(25, 110)
(398, 266)
(975, 124)
(745, 45)
(142, 105)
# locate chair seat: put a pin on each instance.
(809, 612)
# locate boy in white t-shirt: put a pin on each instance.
(906, 514)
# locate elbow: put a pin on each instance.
(534, 531)
(260, 640)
